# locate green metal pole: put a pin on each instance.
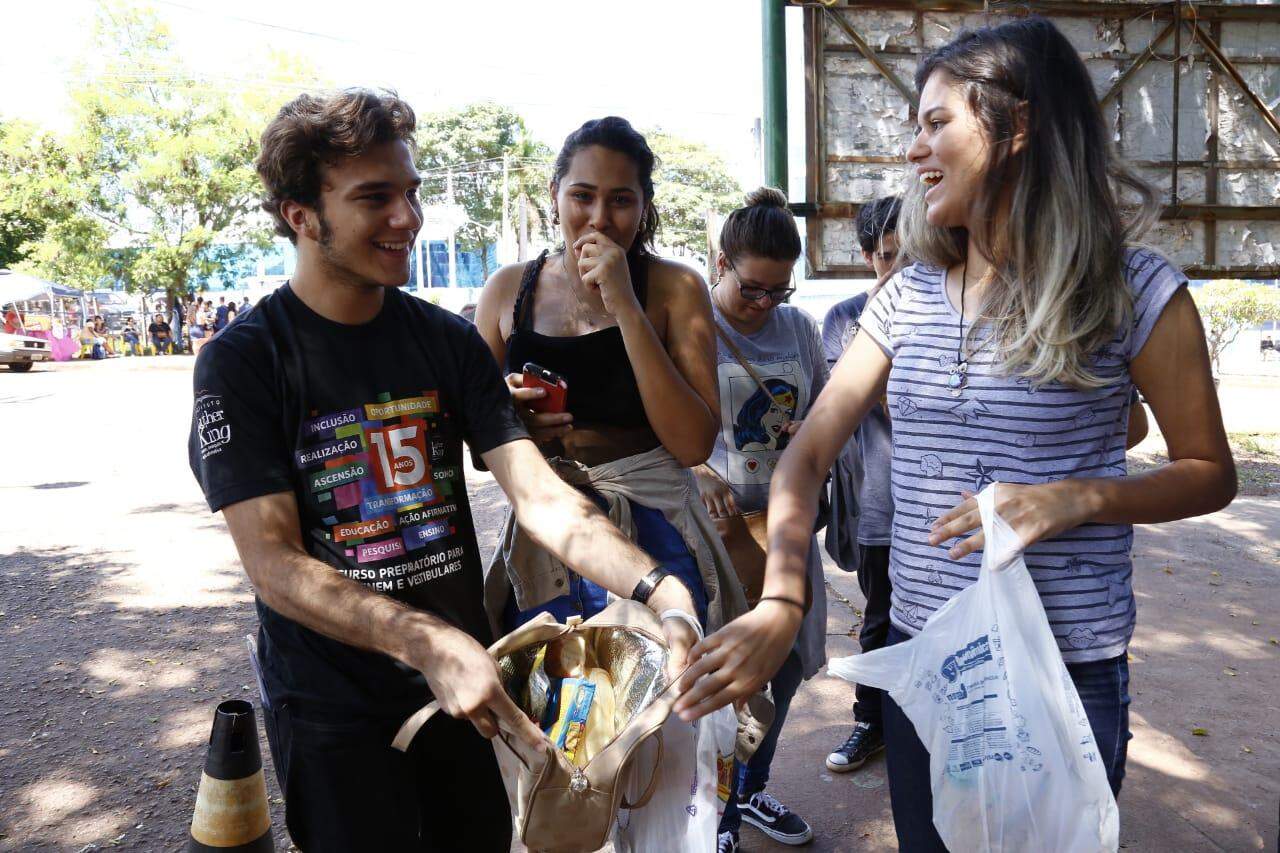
(774, 46)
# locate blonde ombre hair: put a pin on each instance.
(1053, 228)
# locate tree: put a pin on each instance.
(158, 168)
(1230, 306)
(469, 144)
(34, 195)
(691, 180)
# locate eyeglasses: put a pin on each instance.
(753, 292)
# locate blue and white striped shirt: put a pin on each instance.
(1001, 429)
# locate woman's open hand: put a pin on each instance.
(1035, 512)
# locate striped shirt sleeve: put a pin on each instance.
(1153, 281)
(877, 319)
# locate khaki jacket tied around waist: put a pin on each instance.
(653, 479)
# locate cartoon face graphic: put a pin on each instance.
(761, 422)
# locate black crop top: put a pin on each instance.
(602, 385)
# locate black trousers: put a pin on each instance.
(873, 580)
(346, 789)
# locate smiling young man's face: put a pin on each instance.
(368, 217)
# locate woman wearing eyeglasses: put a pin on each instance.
(770, 368)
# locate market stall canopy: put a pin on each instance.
(19, 287)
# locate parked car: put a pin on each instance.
(19, 352)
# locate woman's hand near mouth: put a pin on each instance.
(602, 265)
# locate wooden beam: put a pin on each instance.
(1191, 212)
(1126, 9)
(1142, 60)
(865, 49)
(1215, 52)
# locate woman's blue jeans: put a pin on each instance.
(657, 537)
(1104, 691)
(754, 775)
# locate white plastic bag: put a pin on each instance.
(684, 813)
(1012, 758)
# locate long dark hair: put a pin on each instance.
(1059, 293)
(616, 134)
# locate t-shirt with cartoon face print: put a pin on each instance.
(364, 425)
(787, 355)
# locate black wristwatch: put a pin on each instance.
(647, 584)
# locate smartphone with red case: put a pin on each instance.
(536, 376)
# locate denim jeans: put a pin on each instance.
(1104, 691)
(754, 775)
(659, 539)
(873, 580)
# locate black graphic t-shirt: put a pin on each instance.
(364, 424)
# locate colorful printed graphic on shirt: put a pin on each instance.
(754, 424)
(378, 478)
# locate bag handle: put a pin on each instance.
(751, 371)
(644, 798)
(1003, 544)
(746, 365)
(410, 728)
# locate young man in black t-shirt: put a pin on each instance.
(328, 427)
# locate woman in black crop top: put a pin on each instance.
(633, 337)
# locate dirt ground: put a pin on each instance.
(123, 613)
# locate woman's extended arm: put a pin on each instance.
(1172, 371)
(739, 658)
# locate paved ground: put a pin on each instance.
(123, 612)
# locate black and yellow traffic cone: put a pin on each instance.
(231, 813)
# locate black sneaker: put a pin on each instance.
(774, 819)
(727, 842)
(865, 741)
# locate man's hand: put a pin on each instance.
(464, 680)
(735, 662)
(671, 594)
(542, 426)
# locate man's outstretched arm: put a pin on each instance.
(291, 582)
(575, 531)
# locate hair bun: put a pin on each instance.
(767, 197)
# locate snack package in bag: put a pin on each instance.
(1012, 758)
(691, 791)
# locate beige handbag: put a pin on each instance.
(569, 806)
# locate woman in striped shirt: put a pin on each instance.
(1008, 351)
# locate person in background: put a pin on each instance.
(130, 335)
(102, 334)
(198, 329)
(220, 315)
(232, 311)
(632, 336)
(176, 317)
(771, 368)
(861, 527)
(160, 334)
(244, 307)
(1009, 350)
